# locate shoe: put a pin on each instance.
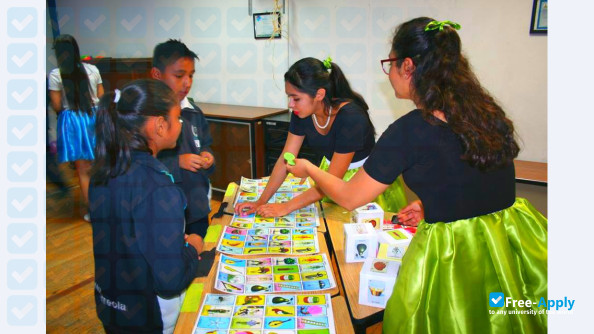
(87, 217)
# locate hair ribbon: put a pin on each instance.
(327, 63)
(434, 25)
(117, 94)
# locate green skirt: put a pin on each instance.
(450, 269)
(391, 200)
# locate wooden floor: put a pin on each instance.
(70, 304)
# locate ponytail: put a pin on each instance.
(310, 74)
(119, 125)
(342, 88)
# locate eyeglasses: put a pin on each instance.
(387, 64)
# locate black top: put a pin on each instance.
(350, 132)
(428, 156)
(138, 245)
(194, 138)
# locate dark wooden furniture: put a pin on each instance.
(276, 130)
(238, 141)
(116, 72)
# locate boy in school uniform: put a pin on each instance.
(191, 161)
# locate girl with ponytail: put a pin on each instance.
(334, 120)
(75, 89)
(134, 205)
(476, 245)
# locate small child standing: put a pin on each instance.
(143, 260)
(191, 161)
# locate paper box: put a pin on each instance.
(369, 213)
(360, 242)
(376, 281)
(393, 244)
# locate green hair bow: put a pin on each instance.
(327, 63)
(434, 25)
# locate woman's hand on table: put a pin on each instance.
(273, 210)
(247, 208)
(411, 214)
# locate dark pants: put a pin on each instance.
(198, 227)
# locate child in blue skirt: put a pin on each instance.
(75, 88)
(456, 152)
(143, 260)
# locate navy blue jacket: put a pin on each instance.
(138, 245)
(194, 138)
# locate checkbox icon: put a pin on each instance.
(21, 310)
(21, 202)
(169, 21)
(22, 58)
(131, 22)
(496, 299)
(21, 130)
(238, 24)
(22, 94)
(94, 22)
(205, 22)
(22, 274)
(22, 22)
(351, 22)
(22, 166)
(21, 238)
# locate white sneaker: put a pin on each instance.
(87, 217)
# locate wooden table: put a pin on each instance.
(363, 316)
(341, 314)
(186, 320)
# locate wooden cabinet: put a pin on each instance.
(238, 141)
(116, 72)
(276, 130)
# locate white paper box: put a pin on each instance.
(360, 242)
(376, 281)
(369, 213)
(393, 244)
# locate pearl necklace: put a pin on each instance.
(327, 121)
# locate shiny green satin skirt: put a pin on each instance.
(450, 269)
(391, 200)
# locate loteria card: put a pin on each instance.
(274, 274)
(251, 189)
(266, 314)
(237, 241)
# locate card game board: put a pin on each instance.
(266, 314)
(250, 190)
(274, 274)
(237, 241)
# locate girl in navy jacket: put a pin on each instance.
(143, 260)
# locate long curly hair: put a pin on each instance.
(443, 80)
